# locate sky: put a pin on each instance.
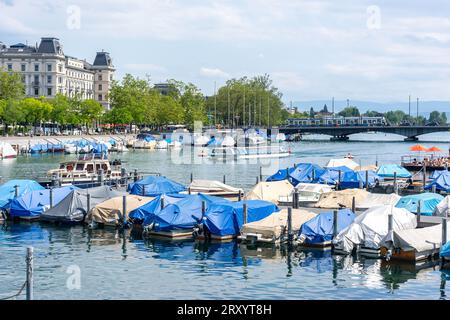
(312, 49)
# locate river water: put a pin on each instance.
(77, 263)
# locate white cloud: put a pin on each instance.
(213, 73)
(288, 80)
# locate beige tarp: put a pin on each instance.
(378, 199)
(341, 199)
(344, 162)
(273, 225)
(421, 239)
(110, 211)
(443, 208)
(370, 167)
(206, 186)
(270, 191)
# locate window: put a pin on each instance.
(23, 78)
(80, 167)
(100, 87)
(90, 168)
(36, 79)
(9, 66)
(60, 68)
(49, 79)
(49, 67)
(100, 97)
(36, 91)
(23, 68)
(59, 79)
(111, 77)
(49, 91)
(99, 77)
(36, 67)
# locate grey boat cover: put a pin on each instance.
(73, 208)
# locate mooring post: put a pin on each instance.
(135, 173)
(245, 212)
(289, 226)
(124, 209)
(390, 223)
(260, 174)
(51, 197)
(444, 231)
(313, 175)
(224, 179)
(29, 262)
(189, 190)
(395, 183)
(367, 180)
(100, 177)
(257, 179)
(192, 177)
(418, 212)
(361, 184)
(16, 191)
(88, 203)
(287, 173)
(203, 209)
(162, 202)
(143, 190)
(424, 176)
(338, 187)
(239, 196)
(335, 223)
(123, 173)
(354, 204)
(433, 188)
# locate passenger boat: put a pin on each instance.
(242, 153)
(252, 140)
(431, 163)
(87, 168)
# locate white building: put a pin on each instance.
(46, 71)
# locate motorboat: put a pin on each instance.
(86, 168)
(242, 153)
(7, 151)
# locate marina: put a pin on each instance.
(178, 224)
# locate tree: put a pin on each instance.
(35, 110)
(350, 112)
(395, 117)
(436, 116)
(192, 101)
(90, 111)
(61, 109)
(11, 86)
(325, 109)
(311, 112)
(12, 113)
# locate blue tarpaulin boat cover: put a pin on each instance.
(99, 148)
(301, 173)
(387, 171)
(226, 219)
(353, 179)
(34, 203)
(146, 137)
(7, 190)
(183, 214)
(428, 202)
(155, 186)
(437, 173)
(331, 175)
(154, 206)
(320, 228)
(445, 250)
(442, 182)
(39, 148)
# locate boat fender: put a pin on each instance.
(388, 255)
(301, 239)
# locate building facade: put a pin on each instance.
(47, 71)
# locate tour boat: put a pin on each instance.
(86, 169)
(248, 153)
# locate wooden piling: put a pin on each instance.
(418, 211)
(224, 179)
(16, 191)
(162, 202)
(189, 190)
(135, 175)
(88, 203)
(260, 174)
(338, 187)
(124, 209)
(192, 177)
(51, 197)
(444, 231)
(245, 213)
(395, 183)
(354, 204)
(257, 180)
(367, 180)
(433, 188)
(203, 208)
(29, 262)
(289, 226)
(424, 176)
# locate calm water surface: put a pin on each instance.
(114, 266)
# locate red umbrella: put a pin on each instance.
(434, 149)
(418, 147)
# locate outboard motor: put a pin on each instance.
(198, 230)
(147, 229)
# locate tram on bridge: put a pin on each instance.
(337, 121)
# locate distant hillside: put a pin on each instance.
(425, 107)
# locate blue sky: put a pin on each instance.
(313, 49)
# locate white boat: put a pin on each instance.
(72, 148)
(228, 141)
(162, 144)
(175, 145)
(7, 151)
(251, 140)
(201, 141)
(142, 144)
(308, 193)
(241, 153)
(280, 137)
(86, 169)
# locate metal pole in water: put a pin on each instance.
(424, 177)
(395, 183)
(257, 179)
(390, 223)
(189, 190)
(162, 202)
(239, 196)
(418, 212)
(124, 209)
(433, 188)
(339, 180)
(29, 261)
(335, 223)
(353, 204)
(51, 197)
(444, 231)
(135, 175)
(88, 203)
(192, 177)
(289, 226)
(203, 208)
(245, 212)
(16, 191)
(367, 180)
(260, 174)
(224, 179)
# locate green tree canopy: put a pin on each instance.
(350, 112)
(11, 85)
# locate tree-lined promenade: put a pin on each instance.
(135, 101)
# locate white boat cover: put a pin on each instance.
(162, 144)
(370, 167)
(371, 227)
(201, 140)
(341, 198)
(273, 226)
(344, 162)
(207, 186)
(73, 207)
(110, 211)
(443, 208)
(7, 151)
(421, 239)
(228, 142)
(270, 191)
(378, 199)
(310, 192)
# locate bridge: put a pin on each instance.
(341, 133)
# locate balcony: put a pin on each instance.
(35, 83)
